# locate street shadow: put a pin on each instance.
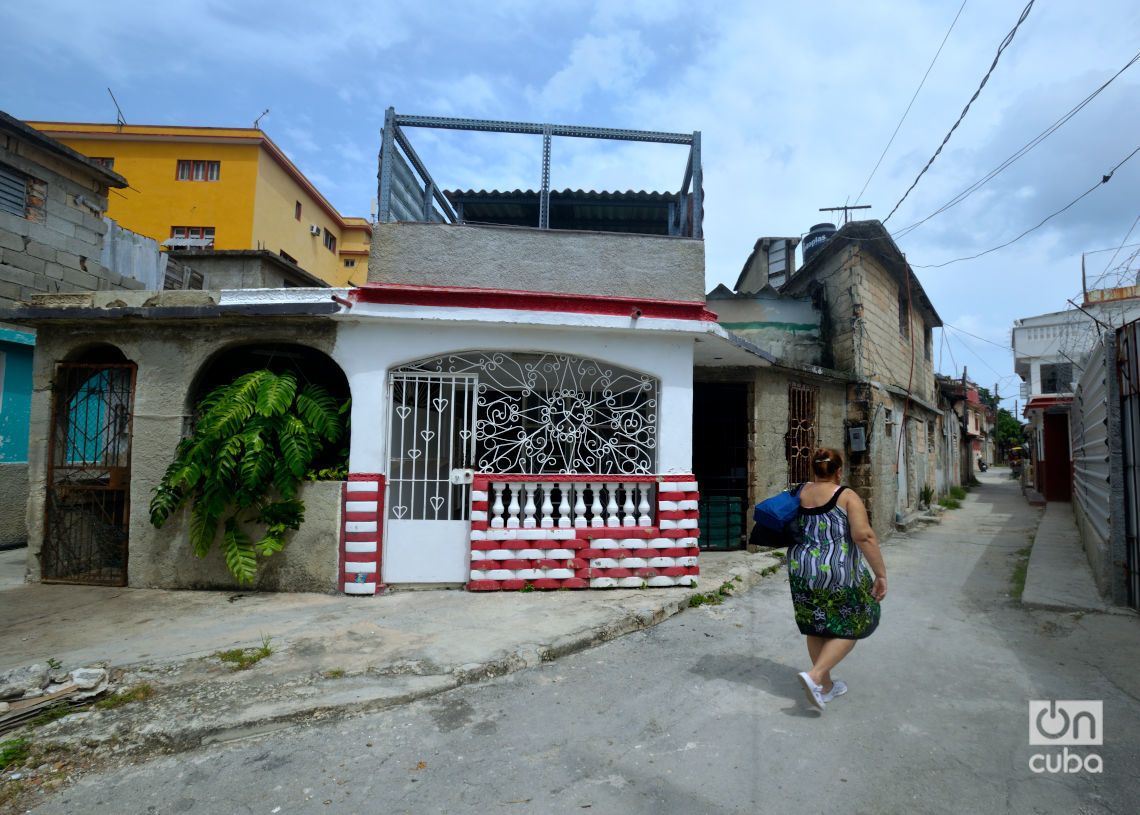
(759, 673)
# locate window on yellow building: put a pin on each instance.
(330, 241)
(105, 161)
(350, 263)
(297, 211)
(194, 170)
(192, 236)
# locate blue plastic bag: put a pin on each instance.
(774, 513)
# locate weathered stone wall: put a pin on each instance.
(541, 260)
(886, 352)
(168, 359)
(13, 503)
(57, 246)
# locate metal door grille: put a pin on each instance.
(87, 513)
(430, 435)
(803, 418)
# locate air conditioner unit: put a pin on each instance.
(314, 230)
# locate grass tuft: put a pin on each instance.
(135, 694)
(241, 658)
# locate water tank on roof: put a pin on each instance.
(816, 237)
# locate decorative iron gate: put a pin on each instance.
(803, 417)
(87, 513)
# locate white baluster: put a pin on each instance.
(547, 506)
(529, 522)
(497, 521)
(596, 506)
(580, 506)
(627, 516)
(643, 507)
(564, 506)
(513, 508)
(612, 517)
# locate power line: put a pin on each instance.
(1104, 180)
(908, 107)
(1022, 151)
(1004, 44)
(1117, 252)
(975, 336)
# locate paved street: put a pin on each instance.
(703, 714)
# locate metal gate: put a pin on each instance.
(803, 417)
(87, 513)
(431, 448)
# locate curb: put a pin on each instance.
(127, 728)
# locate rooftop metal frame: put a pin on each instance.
(394, 137)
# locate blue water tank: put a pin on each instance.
(816, 237)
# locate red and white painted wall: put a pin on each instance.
(419, 508)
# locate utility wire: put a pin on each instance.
(908, 107)
(977, 185)
(1004, 44)
(1117, 252)
(1103, 180)
(975, 336)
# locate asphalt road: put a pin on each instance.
(703, 714)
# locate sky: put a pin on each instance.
(796, 104)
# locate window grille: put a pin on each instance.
(553, 413)
(803, 420)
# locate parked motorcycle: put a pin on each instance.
(982, 466)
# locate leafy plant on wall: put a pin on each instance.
(253, 442)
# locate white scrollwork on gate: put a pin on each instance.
(555, 413)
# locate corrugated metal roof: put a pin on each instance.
(641, 212)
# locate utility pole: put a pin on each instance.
(968, 445)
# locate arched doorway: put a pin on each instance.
(87, 512)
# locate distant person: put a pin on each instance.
(836, 600)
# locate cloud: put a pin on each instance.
(611, 63)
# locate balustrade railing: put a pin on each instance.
(569, 504)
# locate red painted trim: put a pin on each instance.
(367, 477)
(359, 557)
(678, 478)
(457, 297)
(357, 517)
(483, 480)
(379, 533)
(671, 496)
(340, 577)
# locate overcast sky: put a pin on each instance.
(795, 102)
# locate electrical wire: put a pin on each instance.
(1117, 252)
(1022, 151)
(1004, 44)
(975, 336)
(908, 107)
(1104, 180)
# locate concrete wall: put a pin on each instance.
(786, 327)
(594, 263)
(246, 269)
(13, 503)
(168, 357)
(57, 247)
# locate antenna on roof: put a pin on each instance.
(258, 119)
(121, 120)
(845, 209)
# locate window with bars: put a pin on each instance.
(196, 170)
(802, 436)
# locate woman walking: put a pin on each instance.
(836, 601)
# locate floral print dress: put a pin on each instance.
(831, 586)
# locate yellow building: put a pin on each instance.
(222, 188)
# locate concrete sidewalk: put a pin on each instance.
(1059, 577)
(333, 655)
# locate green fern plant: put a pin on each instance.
(253, 442)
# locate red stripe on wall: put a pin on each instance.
(463, 297)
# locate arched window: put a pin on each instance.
(554, 413)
